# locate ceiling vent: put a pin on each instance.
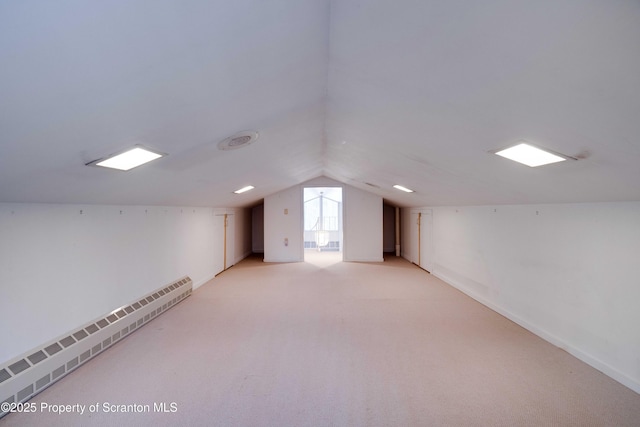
(239, 140)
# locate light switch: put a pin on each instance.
(286, 211)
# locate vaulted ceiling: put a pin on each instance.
(370, 93)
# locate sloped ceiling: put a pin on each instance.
(370, 93)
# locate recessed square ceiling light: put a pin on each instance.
(128, 159)
(529, 155)
(244, 189)
(401, 188)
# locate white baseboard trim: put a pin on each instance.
(364, 260)
(202, 282)
(601, 366)
(282, 260)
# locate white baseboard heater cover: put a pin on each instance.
(32, 372)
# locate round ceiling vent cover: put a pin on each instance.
(239, 140)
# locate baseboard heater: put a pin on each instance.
(32, 372)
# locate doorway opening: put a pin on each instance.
(390, 230)
(257, 230)
(323, 236)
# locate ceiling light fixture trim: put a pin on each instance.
(239, 140)
(128, 159)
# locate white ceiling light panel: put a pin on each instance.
(401, 188)
(244, 189)
(128, 159)
(530, 155)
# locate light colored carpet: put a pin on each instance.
(325, 343)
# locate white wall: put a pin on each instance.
(568, 273)
(60, 268)
(408, 238)
(279, 226)
(417, 250)
(362, 223)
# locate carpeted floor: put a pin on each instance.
(325, 343)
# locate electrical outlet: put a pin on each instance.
(286, 241)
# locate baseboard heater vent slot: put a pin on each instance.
(30, 373)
